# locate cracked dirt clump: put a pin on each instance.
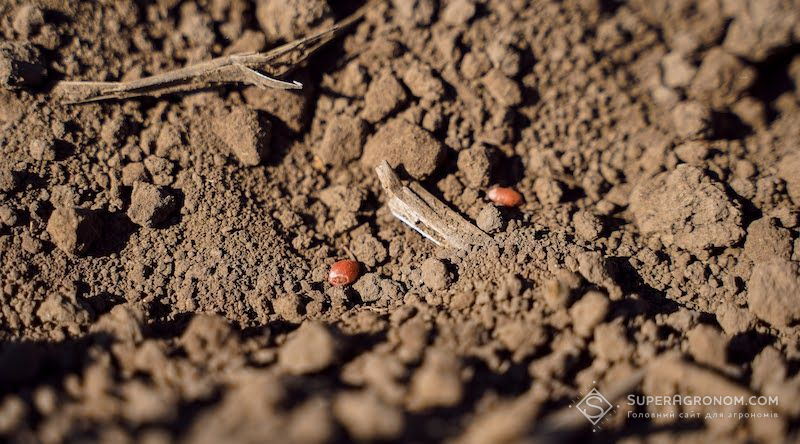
(246, 133)
(150, 204)
(404, 144)
(73, 230)
(310, 350)
(687, 208)
(773, 292)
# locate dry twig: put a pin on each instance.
(423, 212)
(263, 69)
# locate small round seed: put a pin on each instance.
(344, 272)
(503, 196)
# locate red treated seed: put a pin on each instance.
(344, 272)
(506, 197)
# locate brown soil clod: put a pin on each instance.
(150, 204)
(73, 229)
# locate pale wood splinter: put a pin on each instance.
(422, 211)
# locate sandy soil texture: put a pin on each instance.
(164, 262)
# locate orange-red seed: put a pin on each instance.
(506, 197)
(344, 272)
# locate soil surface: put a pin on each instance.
(164, 261)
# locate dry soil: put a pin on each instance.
(163, 261)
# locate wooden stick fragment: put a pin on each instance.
(262, 69)
(422, 211)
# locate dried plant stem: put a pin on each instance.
(422, 211)
(263, 69)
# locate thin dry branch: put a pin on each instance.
(422, 211)
(263, 69)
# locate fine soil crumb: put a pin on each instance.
(159, 169)
(707, 346)
(150, 204)
(28, 19)
(422, 82)
(62, 308)
(289, 107)
(72, 229)
(384, 96)
(340, 197)
(587, 225)
(415, 12)
(692, 120)
(404, 144)
(687, 208)
(437, 382)
(289, 307)
(43, 149)
(733, 319)
(693, 152)
(548, 191)
(611, 342)
(459, 12)
(169, 139)
(374, 288)
(558, 291)
(760, 29)
(368, 249)
(588, 312)
(134, 172)
(310, 350)
(596, 269)
(721, 79)
(209, 340)
(366, 417)
(506, 91)
(773, 292)
(8, 216)
(490, 219)
(476, 166)
(435, 274)
(678, 72)
(10, 178)
(787, 169)
(521, 337)
(767, 240)
(368, 287)
(246, 133)
(343, 141)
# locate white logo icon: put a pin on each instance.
(594, 407)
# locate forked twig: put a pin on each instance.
(422, 211)
(261, 69)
